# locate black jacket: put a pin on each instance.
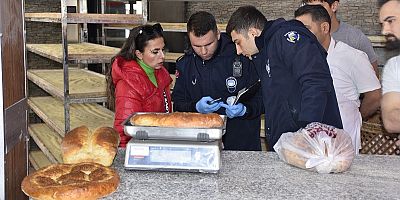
(297, 87)
(197, 78)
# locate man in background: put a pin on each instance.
(347, 33)
(211, 70)
(389, 17)
(351, 72)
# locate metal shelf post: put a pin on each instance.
(65, 64)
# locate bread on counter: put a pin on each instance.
(293, 157)
(82, 145)
(317, 147)
(84, 181)
(178, 120)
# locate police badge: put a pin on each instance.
(231, 84)
(237, 68)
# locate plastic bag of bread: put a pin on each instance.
(317, 147)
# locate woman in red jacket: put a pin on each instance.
(137, 80)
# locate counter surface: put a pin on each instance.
(262, 175)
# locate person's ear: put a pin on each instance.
(218, 34)
(325, 27)
(139, 54)
(253, 32)
(335, 6)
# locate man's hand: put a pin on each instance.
(203, 107)
(370, 103)
(237, 110)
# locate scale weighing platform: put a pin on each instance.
(173, 149)
(168, 155)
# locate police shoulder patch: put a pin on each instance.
(292, 36)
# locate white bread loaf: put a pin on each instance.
(82, 145)
(178, 120)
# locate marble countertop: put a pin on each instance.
(262, 175)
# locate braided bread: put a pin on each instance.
(84, 181)
(178, 119)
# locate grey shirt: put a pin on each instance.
(355, 38)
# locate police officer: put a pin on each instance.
(296, 82)
(211, 70)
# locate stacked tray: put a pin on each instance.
(173, 133)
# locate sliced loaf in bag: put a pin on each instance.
(317, 147)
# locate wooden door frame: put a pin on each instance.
(2, 135)
(13, 97)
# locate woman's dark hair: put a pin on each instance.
(137, 40)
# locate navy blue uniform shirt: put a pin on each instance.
(197, 78)
(297, 86)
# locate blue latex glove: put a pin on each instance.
(203, 107)
(236, 110)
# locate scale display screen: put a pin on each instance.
(162, 156)
(172, 156)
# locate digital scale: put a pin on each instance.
(173, 149)
(164, 155)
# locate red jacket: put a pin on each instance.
(134, 92)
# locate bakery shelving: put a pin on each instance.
(50, 110)
(74, 91)
(376, 40)
(38, 159)
(171, 27)
(84, 52)
(85, 85)
(84, 18)
(47, 140)
(77, 53)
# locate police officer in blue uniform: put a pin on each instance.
(211, 70)
(296, 83)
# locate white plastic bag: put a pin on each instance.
(317, 147)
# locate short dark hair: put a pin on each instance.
(382, 2)
(318, 13)
(330, 2)
(244, 18)
(201, 23)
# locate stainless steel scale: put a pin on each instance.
(173, 149)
